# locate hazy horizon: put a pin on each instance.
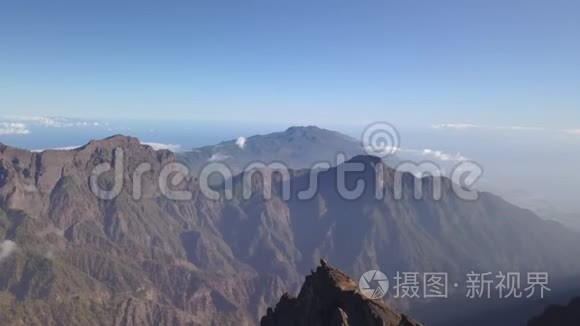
(532, 168)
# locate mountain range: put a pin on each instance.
(303, 147)
(73, 258)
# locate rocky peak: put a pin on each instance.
(127, 143)
(30, 180)
(330, 297)
(302, 129)
(559, 315)
(115, 141)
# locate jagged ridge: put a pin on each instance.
(330, 297)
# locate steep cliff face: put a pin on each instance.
(331, 298)
(80, 259)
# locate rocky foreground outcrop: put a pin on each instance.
(568, 315)
(330, 297)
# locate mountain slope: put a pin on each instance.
(119, 261)
(83, 260)
(449, 234)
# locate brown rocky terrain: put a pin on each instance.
(124, 261)
(329, 297)
(78, 259)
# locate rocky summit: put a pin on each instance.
(330, 298)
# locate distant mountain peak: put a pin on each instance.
(303, 128)
(122, 141)
(120, 137)
(305, 131)
(116, 140)
(298, 146)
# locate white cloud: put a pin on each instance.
(7, 247)
(54, 122)
(65, 148)
(218, 157)
(13, 128)
(241, 142)
(455, 126)
(466, 126)
(463, 126)
(415, 154)
(444, 156)
(446, 162)
(158, 146)
(43, 121)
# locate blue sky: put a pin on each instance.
(484, 62)
(495, 80)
